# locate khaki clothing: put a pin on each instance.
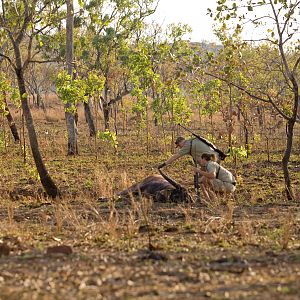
(196, 148)
(224, 181)
(221, 186)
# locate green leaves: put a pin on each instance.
(207, 96)
(108, 136)
(94, 83)
(6, 90)
(71, 91)
(240, 152)
(156, 69)
(81, 3)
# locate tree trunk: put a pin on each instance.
(46, 180)
(246, 139)
(70, 117)
(286, 158)
(106, 112)
(116, 118)
(89, 118)
(230, 127)
(33, 98)
(11, 122)
(106, 108)
(260, 117)
(39, 100)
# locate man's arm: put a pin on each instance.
(170, 160)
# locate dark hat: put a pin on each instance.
(178, 140)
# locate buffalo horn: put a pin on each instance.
(171, 181)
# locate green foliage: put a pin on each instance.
(3, 142)
(141, 104)
(38, 16)
(240, 152)
(108, 136)
(156, 68)
(175, 102)
(94, 83)
(6, 90)
(181, 110)
(32, 171)
(207, 96)
(141, 76)
(211, 137)
(256, 138)
(71, 91)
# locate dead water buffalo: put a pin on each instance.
(160, 188)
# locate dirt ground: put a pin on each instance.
(247, 247)
(181, 252)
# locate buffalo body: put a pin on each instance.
(158, 187)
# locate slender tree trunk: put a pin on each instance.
(200, 116)
(230, 127)
(70, 116)
(260, 117)
(89, 118)
(116, 118)
(124, 121)
(9, 117)
(33, 98)
(147, 132)
(11, 122)
(246, 139)
(106, 111)
(106, 108)
(268, 148)
(286, 158)
(46, 180)
(39, 100)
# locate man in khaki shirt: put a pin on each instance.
(193, 147)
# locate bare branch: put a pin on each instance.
(288, 15)
(254, 21)
(28, 52)
(27, 19)
(289, 74)
(44, 61)
(238, 87)
(259, 40)
(7, 58)
(296, 65)
(269, 100)
(2, 50)
(118, 98)
(288, 38)
(286, 78)
(277, 108)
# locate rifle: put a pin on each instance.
(222, 155)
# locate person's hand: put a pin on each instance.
(161, 165)
(195, 169)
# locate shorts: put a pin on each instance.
(221, 186)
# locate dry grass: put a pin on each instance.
(241, 248)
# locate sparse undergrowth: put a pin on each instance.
(242, 248)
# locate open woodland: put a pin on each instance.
(90, 103)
